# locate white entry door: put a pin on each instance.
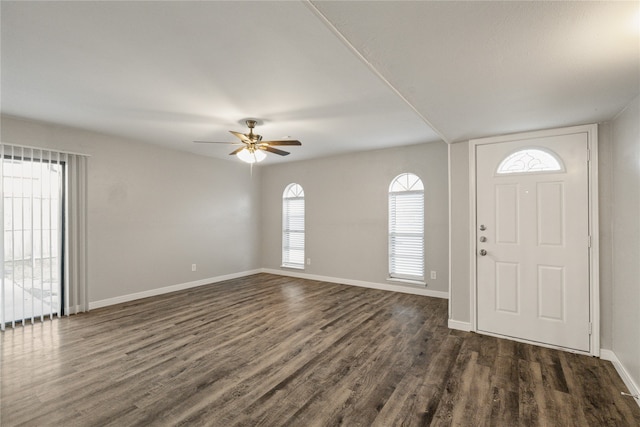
(532, 216)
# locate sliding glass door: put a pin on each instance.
(31, 252)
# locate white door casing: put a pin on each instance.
(535, 281)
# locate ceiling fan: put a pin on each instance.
(253, 147)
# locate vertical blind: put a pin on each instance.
(43, 251)
(293, 227)
(406, 228)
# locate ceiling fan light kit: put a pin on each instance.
(254, 147)
(249, 156)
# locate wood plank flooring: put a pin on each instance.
(267, 350)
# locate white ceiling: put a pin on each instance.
(339, 76)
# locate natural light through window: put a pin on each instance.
(293, 227)
(32, 198)
(529, 160)
(406, 228)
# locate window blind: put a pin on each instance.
(406, 235)
(43, 249)
(293, 227)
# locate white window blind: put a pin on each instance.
(43, 249)
(406, 228)
(293, 227)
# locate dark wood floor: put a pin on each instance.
(275, 351)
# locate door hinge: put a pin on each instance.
(590, 328)
(588, 155)
(589, 241)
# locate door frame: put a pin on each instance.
(594, 252)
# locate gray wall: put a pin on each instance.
(153, 211)
(346, 211)
(460, 292)
(626, 239)
(605, 196)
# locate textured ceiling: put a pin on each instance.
(488, 68)
(339, 76)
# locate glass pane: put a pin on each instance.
(529, 160)
(406, 182)
(406, 227)
(32, 225)
(293, 226)
(293, 190)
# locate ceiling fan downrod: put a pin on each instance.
(254, 137)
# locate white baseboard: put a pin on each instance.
(461, 326)
(399, 287)
(207, 281)
(626, 378)
(167, 289)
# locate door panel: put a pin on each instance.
(550, 206)
(507, 213)
(507, 284)
(533, 281)
(551, 291)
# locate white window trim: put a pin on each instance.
(285, 230)
(420, 283)
(403, 277)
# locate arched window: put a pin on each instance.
(530, 160)
(406, 227)
(293, 226)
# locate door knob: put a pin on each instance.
(483, 239)
(482, 227)
(483, 252)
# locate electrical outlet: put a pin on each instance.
(433, 275)
(308, 261)
(193, 267)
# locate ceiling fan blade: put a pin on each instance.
(253, 141)
(273, 150)
(217, 142)
(282, 142)
(242, 136)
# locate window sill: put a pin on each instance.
(294, 267)
(419, 283)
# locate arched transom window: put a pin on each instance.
(530, 160)
(406, 227)
(293, 226)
